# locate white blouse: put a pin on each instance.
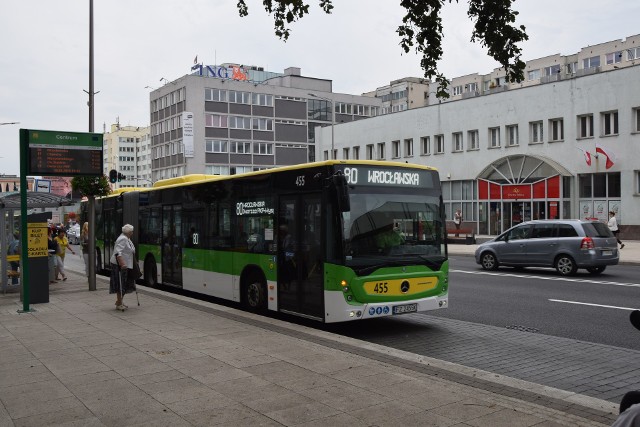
(125, 248)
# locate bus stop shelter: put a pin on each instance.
(10, 203)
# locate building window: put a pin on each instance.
(235, 170)
(240, 147)
(262, 124)
(425, 145)
(613, 57)
(356, 153)
(215, 95)
(533, 75)
(318, 110)
(395, 149)
(572, 67)
(552, 70)
(263, 99)
(585, 126)
(239, 122)
(592, 62)
(494, 137)
(237, 97)
(636, 119)
(326, 155)
(457, 141)
(512, 135)
(215, 121)
(408, 147)
(536, 135)
(457, 90)
(263, 148)
(439, 142)
(633, 53)
(345, 153)
(381, 151)
(473, 138)
(369, 151)
(556, 130)
(609, 123)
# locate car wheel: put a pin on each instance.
(489, 261)
(565, 265)
(596, 270)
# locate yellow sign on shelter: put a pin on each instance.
(37, 239)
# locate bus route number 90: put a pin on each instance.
(352, 175)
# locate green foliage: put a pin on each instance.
(91, 186)
(421, 29)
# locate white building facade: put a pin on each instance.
(127, 149)
(510, 153)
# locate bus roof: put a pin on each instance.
(191, 179)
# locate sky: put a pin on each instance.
(44, 50)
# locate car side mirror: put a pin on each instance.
(342, 192)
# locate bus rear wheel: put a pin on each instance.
(255, 293)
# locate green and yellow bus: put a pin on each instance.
(332, 241)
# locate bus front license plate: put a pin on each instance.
(407, 308)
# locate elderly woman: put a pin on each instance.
(122, 263)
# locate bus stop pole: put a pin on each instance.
(24, 236)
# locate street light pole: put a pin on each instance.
(333, 121)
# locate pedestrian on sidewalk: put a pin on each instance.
(457, 220)
(122, 275)
(84, 243)
(53, 258)
(613, 226)
(63, 245)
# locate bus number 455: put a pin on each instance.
(381, 288)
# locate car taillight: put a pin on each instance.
(587, 243)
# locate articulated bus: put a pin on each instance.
(332, 241)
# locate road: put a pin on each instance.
(582, 307)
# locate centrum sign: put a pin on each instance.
(63, 153)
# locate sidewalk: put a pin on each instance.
(629, 255)
(175, 361)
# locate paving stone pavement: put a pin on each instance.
(175, 361)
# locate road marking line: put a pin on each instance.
(562, 279)
(593, 305)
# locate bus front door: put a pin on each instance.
(300, 284)
(172, 245)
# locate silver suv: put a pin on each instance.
(565, 245)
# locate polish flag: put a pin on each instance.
(587, 156)
(611, 157)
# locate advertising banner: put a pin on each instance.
(187, 133)
(586, 209)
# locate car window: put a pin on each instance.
(567, 230)
(521, 232)
(597, 229)
(541, 231)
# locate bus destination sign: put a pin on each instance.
(64, 153)
(396, 177)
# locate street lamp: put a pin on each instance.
(333, 119)
(143, 179)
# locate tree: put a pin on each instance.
(91, 186)
(421, 29)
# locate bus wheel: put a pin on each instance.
(255, 293)
(150, 272)
(489, 261)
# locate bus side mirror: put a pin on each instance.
(342, 192)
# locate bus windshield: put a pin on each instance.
(392, 229)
